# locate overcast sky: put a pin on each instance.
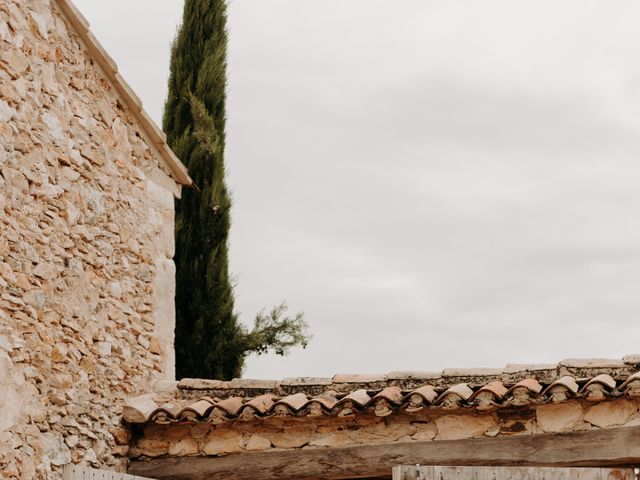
(435, 183)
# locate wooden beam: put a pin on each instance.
(615, 447)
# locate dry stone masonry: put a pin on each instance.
(87, 186)
(212, 418)
(188, 439)
(86, 247)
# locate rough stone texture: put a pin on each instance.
(558, 418)
(222, 441)
(322, 432)
(86, 241)
(608, 414)
(453, 427)
(581, 372)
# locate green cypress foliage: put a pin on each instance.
(210, 342)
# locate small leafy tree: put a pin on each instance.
(275, 331)
(209, 340)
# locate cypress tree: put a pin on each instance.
(210, 342)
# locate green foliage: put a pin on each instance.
(210, 342)
(274, 331)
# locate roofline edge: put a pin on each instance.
(154, 133)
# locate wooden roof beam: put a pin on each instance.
(615, 447)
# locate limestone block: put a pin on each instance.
(13, 62)
(290, 437)
(381, 432)
(54, 129)
(6, 112)
(165, 292)
(184, 447)
(425, 431)
(46, 271)
(72, 440)
(222, 441)
(559, 417)
(9, 393)
(59, 353)
(42, 20)
(424, 435)
(609, 414)
(454, 427)
(335, 439)
(257, 442)
(55, 448)
(35, 298)
(152, 447)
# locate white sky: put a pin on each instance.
(435, 183)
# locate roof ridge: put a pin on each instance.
(177, 405)
(511, 373)
(157, 138)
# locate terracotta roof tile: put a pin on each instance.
(496, 388)
(200, 408)
(393, 394)
(488, 395)
(262, 403)
(454, 396)
(359, 397)
(632, 385)
(567, 382)
(530, 384)
(294, 402)
(525, 392)
(420, 398)
(603, 379)
(344, 395)
(231, 405)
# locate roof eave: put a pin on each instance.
(154, 134)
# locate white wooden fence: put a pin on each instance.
(416, 472)
(74, 472)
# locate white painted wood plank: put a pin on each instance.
(75, 472)
(410, 472)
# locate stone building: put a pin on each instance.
(87, 187)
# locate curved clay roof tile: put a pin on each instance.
(231, 405)
(326, 400)
(496, 388)
(531, 384)
(454, 396)
(427, 392)
(631, 379)
(200, 408)
(295, 402)
(359, 397)
(261, 404)
(568, 382)
(391, 394)
(603, 380)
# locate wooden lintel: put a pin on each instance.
(615, 447)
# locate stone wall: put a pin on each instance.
(86, 247)
(204, 438)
